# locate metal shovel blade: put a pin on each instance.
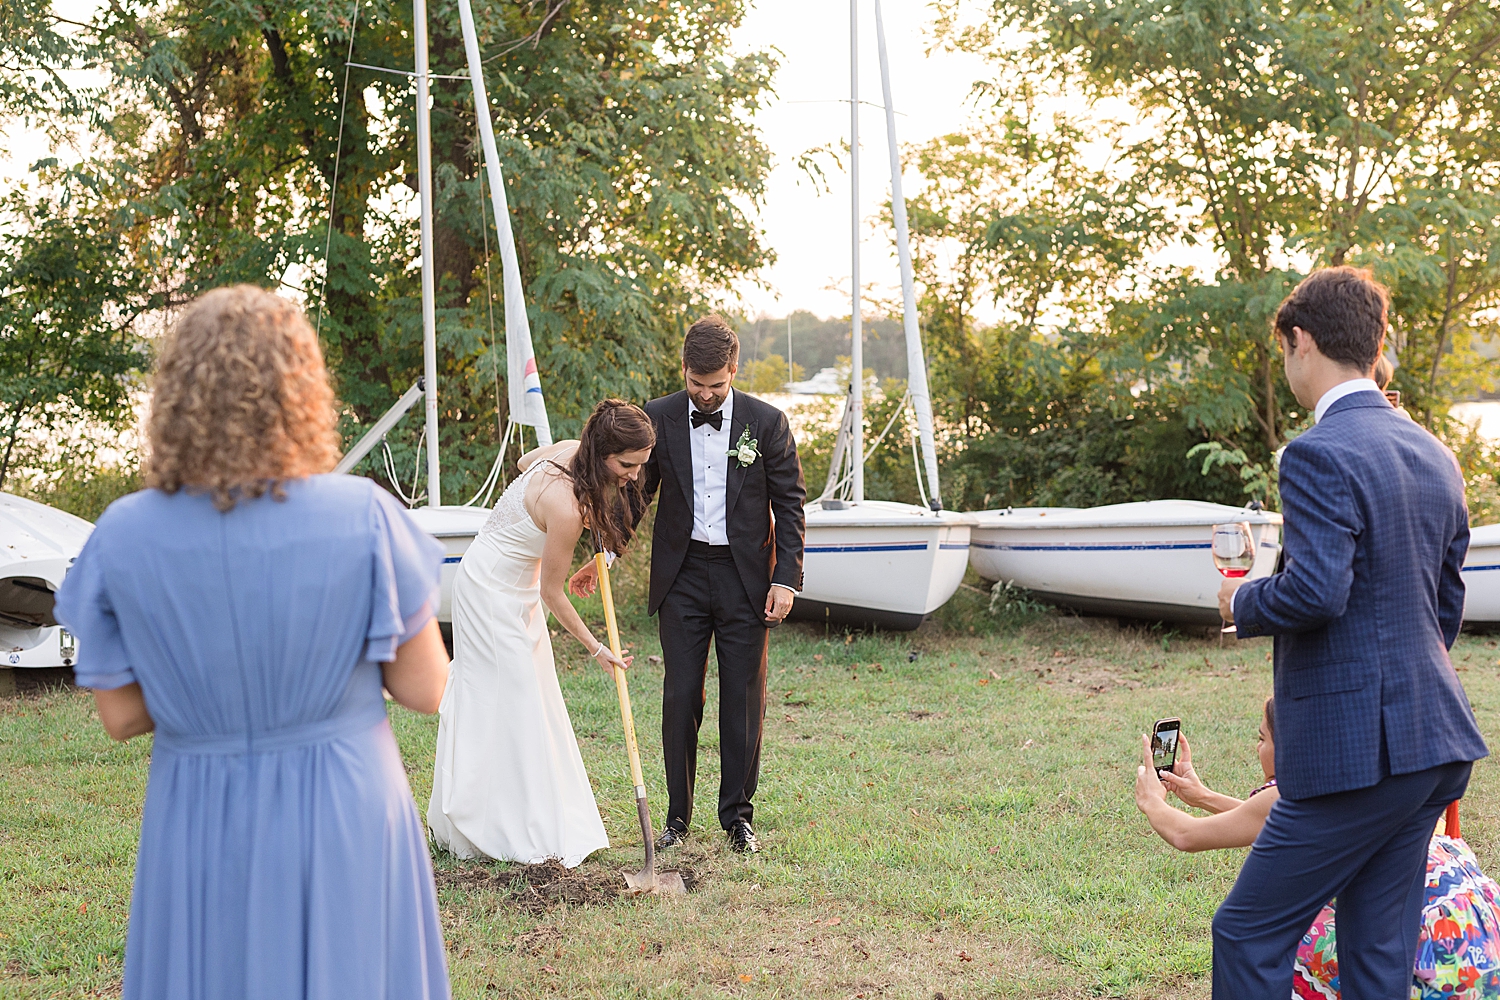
(655, 884)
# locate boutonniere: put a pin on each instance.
(746, 449)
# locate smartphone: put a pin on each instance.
(1393, 397)
(1164, 743)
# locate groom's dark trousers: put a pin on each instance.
(1374, 734)
(708, 601)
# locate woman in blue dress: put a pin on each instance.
(249, 609)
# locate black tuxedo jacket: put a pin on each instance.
(763, 502)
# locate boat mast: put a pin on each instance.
(916, 365)
(856, 351)
(523, 383)
(429, 288)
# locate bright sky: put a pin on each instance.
(810, 231)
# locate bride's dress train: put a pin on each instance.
(509, 782)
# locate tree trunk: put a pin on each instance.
(10, 444)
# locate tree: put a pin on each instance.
(1281, 137)
(34, 52)
(625, 139)
(68, 302)
(768, 374)
(1292, 135)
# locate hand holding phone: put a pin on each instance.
(1164, 738)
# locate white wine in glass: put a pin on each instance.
(1234, 553)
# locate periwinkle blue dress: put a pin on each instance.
(281, 853)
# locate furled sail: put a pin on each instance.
(524, 383)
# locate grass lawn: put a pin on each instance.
(946, 813)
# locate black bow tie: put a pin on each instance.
(716, 418)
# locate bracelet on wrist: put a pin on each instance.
(595, 654)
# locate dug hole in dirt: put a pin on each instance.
(535, 889)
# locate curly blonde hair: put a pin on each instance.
(241, 401)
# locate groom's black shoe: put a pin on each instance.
(670, 837)
(742, 838)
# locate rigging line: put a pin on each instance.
(406, 72)
(916, 464)
(845, 100)
(338, 150)
(870, 449)
(510, 426)
(395, 478)
(489, 481)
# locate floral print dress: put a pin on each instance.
(1458, 951)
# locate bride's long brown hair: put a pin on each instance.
(610, 510)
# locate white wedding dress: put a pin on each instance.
(509, 782)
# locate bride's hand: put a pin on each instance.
(584, 582)
(607, 660)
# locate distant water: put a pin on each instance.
(1485, 411)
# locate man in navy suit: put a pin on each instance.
(1374, 734)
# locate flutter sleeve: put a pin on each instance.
(84, 609)
(408, 565)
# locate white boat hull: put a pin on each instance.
(1481, 575)
(455, 528)
(880, 563)
(37, 545)
(54, 649)
(1147, 560)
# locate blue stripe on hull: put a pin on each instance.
(868, 547)
(452, 559)
(1127, 547)
(1479, 569)
(1124, 547)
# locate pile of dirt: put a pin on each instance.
(542, 887)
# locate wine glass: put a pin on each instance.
(1234, 553)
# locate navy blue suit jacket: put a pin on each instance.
(1368, 605)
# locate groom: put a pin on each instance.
(726, 561)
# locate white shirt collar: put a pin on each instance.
(726, 408)
(1341, 390)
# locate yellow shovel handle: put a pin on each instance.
(621, 685)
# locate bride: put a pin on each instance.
(509, 782)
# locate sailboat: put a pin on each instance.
(879, 562)
(37, 545)
(1481, 581)
(456, 525)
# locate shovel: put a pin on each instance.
(647, 881)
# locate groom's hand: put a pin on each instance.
(585, 581)
(778, 605)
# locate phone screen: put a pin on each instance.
(1164, 743)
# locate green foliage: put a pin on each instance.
(624, 135)
(1010, 601)
(1278, 138)
(1260, 483)
(80, 489)
(818, 343)
(769, 374)
(1479, 461)
(69, 297)
(35, 50)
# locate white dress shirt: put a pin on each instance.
(711, 478)
(1328, 398)
(1341, 390)
(710, 474)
